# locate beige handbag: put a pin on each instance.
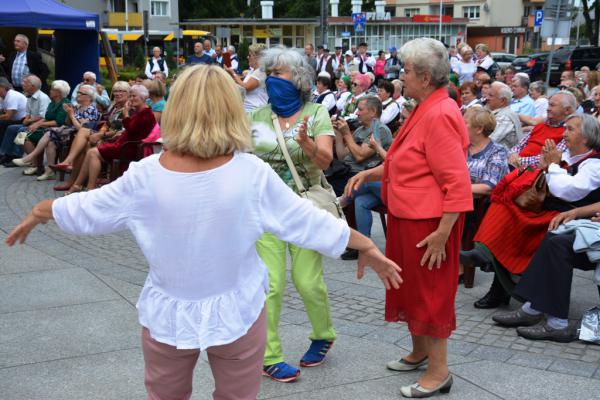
(20, 138)
(321, 195)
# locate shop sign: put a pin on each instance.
(431, 18)
(510, 29)
(261, 33)
(373, 16)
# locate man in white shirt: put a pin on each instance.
(156, 63)
(508, 130)
(14, 106)
(37, 103)
(323, 95)
(522, 103)
(364, 62)
(390, 110)
(348, 66)
(327, 64)
(89, 78)
(208, 49)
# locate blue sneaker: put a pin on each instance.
(281, 372)
(316, 353)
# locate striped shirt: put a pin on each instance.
(19, 69)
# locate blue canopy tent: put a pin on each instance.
(76, 33)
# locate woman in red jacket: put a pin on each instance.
(426, 187)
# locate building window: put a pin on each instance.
(159, 8)
(471, 12)
(411, 12)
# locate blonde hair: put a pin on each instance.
(121, 85)
(156, 88)
(482, 118)
(197, 122)
(257, 48)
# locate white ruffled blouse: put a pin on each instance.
(206, 284)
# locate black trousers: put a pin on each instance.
(546, 282)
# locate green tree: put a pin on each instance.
(592, 25)
(192, 9)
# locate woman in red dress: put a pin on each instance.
(426, 188)
(137, 127)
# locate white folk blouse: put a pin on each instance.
(206, 284)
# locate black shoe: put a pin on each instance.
(491, 301)
(474, 258)
(350, 254)
(517, 318)
(542, 331)
(4, 158)
(9, 164)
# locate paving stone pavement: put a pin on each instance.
(68, 327)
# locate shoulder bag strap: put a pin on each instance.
(286, 155)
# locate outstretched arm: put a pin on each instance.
(41, 213)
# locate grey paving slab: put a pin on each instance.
(61, 332)
(111, 375)
(573, 367)
(350, 360)
(24, 258)
(123, 288)
(40, 290)
(515, 382)
(387, 388)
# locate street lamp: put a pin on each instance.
(441, 7)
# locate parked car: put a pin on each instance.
(571, 58)
(503, 59)
(533, 65)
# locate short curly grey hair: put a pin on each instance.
(590, 129)
(428, 55)
(302, 73)
(62, 86)
(140, 90)
(538, 86)
(89, 90)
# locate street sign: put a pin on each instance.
(359, 20)
(539, 17)
(346, 34)
(563, 28)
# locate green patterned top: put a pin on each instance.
(267, 148)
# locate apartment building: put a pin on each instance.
(127, 15)
(504, 25)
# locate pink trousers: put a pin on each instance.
(236, 367)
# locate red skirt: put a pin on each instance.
(513, 234)
(425, 299)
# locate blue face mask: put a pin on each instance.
(283, 96)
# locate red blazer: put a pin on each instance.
(425, 170)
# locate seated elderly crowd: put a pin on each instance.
(523, 145)
(77, 132)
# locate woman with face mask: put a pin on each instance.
(308, 133)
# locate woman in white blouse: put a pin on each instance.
(466, 68)
(196, 211)
(253, 85)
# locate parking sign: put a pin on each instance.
(539, 17)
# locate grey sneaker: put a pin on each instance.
(517, 318)
(542, 331)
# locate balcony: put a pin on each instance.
(117, 20)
